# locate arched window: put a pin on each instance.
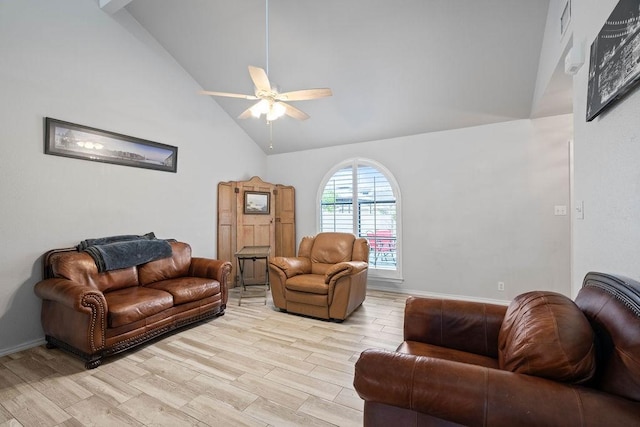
(360, 196)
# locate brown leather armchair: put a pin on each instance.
(543, 361)
(328, 278)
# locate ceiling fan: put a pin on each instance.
(271, 102)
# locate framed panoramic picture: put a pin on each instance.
(256, 202)
(87, 143)
(614, 66)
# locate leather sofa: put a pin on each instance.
(328, 278)
(96, 314)
(542, 361)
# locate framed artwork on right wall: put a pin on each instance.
(565, 18)
(614, 65)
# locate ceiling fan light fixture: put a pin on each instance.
(276, 111)
(272, 116)
(260, 108)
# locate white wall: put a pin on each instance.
(607, 174)
(71, 61)
(478, 204)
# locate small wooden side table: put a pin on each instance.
(253, 253)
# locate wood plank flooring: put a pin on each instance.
(254, 366)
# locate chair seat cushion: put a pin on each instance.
(423, 349)
(135, 303)
(545, 334)
(187, 289)
(310, 283)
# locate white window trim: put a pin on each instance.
(394, 276)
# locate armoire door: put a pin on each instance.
(227, 224)
(285, 234)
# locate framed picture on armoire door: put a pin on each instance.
(256, 202)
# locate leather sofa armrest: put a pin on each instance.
(71, 294)
(212, 269)
(291, 266)
(461, 325)
(60, 295)
(475, 395)
(342, 269)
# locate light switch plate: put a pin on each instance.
(580, 210)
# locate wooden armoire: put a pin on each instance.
(276, 228)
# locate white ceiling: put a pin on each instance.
(396, 67)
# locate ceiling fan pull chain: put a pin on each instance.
(270, 135)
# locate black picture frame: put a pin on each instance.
(565, 18)
(86, 143)
(614, 64)
(257, 203)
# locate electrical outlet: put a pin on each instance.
(560, 210)
(501, 286)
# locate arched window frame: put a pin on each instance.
(374, 273)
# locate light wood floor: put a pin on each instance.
(254, 366)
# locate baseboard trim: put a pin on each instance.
(24, 346)
(420, 293)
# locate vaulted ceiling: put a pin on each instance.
(396, 67)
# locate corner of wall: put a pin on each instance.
(555, 45)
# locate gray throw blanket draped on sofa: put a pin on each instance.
(112, 253)
(113, 239)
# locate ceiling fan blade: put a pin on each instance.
(260, 79)
(302, 95)
(262, 106)
(246, 113)
(292, 111)
(228, 95)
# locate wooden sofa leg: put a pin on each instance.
(94, 363)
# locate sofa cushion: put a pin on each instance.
(177, 265)
(187, 289)
(79, 267)
(136, 303)
(545, 334)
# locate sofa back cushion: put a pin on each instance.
(545, 334)
(360, 250)
(329, 249)
(177, 265)
(612, 305)
(81, 268)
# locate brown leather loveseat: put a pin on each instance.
(328, 278)
(96, 314)
(543, 361)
